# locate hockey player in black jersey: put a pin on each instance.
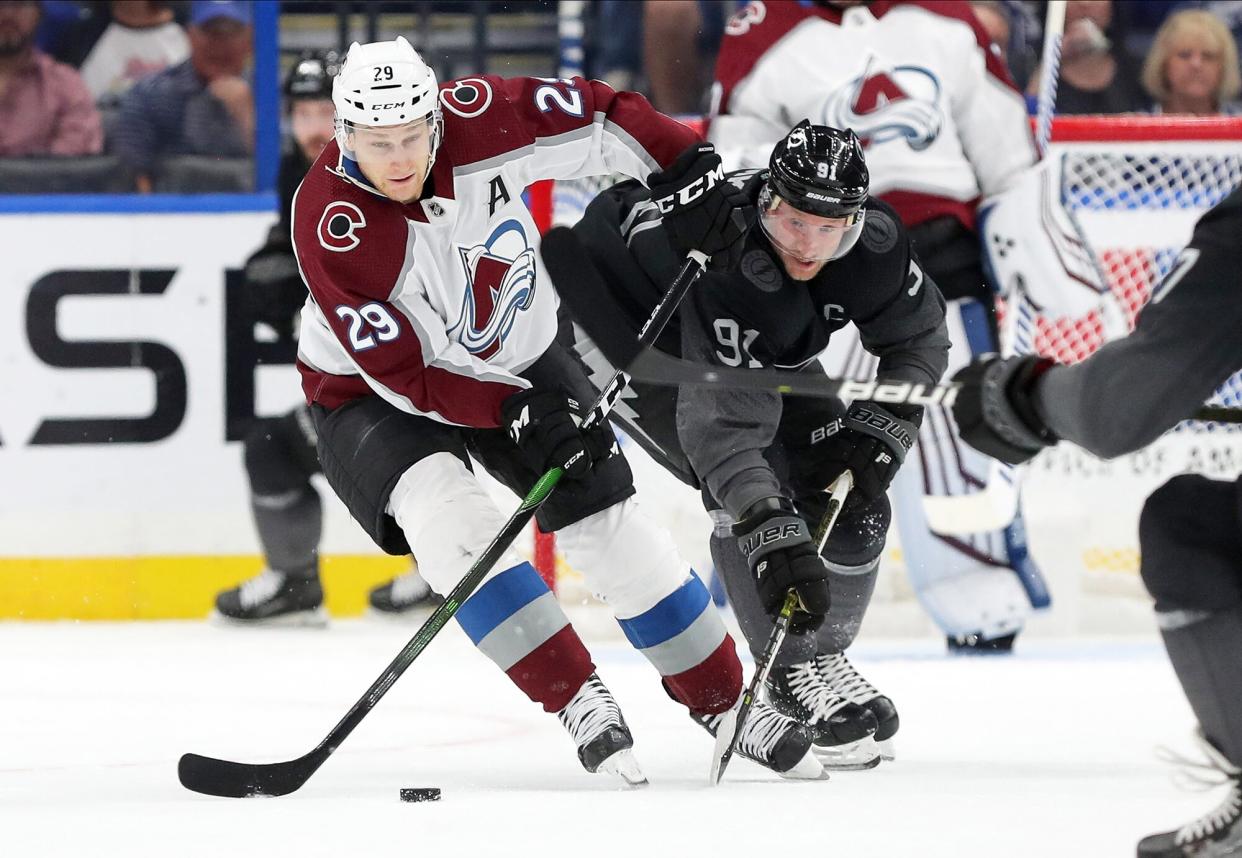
(280, 453)
(825, 255)
(1187, 342)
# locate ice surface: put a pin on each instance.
(1047, 753)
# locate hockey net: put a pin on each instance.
(1136, 185)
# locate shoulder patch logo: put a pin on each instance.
(879, 233)
(338, 224)
(760, 270)
(468, 98)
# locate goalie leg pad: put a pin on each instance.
(660, 603)
(964, 583)
(513, 618)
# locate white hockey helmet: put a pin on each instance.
(385, 84)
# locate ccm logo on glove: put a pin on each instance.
(691, 192)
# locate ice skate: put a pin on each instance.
(841, 727)
(845, 680)
(1216, 834)
(273, 598)
(403, 593)
(594, 722)
(768, 738)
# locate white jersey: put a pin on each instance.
(438, 305)
(125, 55)
(919, 83)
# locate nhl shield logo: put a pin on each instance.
(501, 277)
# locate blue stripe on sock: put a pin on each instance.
(499, 599)
(671, 616)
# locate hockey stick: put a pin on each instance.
(241, 780)
(838, 491)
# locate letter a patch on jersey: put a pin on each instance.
(501, 274)
(338, 225)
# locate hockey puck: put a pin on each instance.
(420, 793)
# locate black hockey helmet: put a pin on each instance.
(311, 76)
(819, 171)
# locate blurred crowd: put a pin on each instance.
(158, 92)
(1135, 56)
(156, 95)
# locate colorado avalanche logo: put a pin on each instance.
(338, 225)
(889, 105)
(501, 274)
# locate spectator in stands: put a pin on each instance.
(116, 44)
(680, 41)
(1096, 75)
(45, 109)
(202, 106)
(663, 48)
(1192, 67)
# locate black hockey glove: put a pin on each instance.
(871, 442)
(777, 545)
(544, 425)
(995, 410)
(701, 210)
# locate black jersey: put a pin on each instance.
(1188, 341)
(757, 316)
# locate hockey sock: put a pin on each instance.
(685, 640)
(515, 620)
(1204, 650)
(289, 527)
(851, 588)
(755, 622)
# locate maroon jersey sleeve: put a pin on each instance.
(354, 252)
(559, 129)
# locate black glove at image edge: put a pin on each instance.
(995, 410)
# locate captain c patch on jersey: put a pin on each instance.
(338, 224)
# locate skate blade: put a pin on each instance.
(808, 769)
(724, 735)
(888, 749)
(316, 619)
(854, 757)
(624, 765)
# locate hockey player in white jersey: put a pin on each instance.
(430, 339)
(943, 127)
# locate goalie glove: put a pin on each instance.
(871, 442)
(995, 408)
(701, 210)
(778, 548)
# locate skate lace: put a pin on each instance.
(762, 731)
(590, 712)
(841, 676)
(813, 692)
(408, 588)
(1201, 776)
(260, 588)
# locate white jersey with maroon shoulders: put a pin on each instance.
(919, 82)
(438, 305)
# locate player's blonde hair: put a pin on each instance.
(1192, 22)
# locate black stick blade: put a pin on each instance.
(226, 779)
